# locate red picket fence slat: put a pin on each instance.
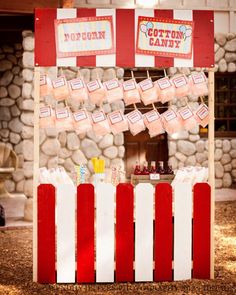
(201, 230)
(124, 232)
(85, 233)
(46, 234)
(163, 232)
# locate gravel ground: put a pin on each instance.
(16, 266)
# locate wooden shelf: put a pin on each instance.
(136, 179)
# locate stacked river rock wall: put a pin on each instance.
(68, 149)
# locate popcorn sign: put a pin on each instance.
(164, 37)
(84, 36)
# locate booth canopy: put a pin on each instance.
(125, 25)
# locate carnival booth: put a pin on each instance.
(94, 231)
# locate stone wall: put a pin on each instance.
(225, 52)
(11, 108)
(187, 148)
(68, 149)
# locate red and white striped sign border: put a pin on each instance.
(125, 33)
(122, 239)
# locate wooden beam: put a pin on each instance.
(36, 168)
(26, 6)
(211, 159)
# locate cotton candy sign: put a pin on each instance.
(164, 37)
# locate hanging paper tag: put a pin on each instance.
(80, 115)
(185, 113)
(164, 83)
(45, 112)
(62, 113)
(134, 116)
(180, 81)
(152, 116)
(98, 117)
(76, 84)
(146, 84)
(198, 78)
(43, 80)
(112, 84)
(59, 82)
(93, 85)
(115, 117)
(169, 115)
(129, 85)
(202, 111)
(154, 176)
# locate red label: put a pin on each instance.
(134, 116)
(59, 82)
(45, 112)
(62, 113)
(76, 84)
(169, 115)
(98, 117)
(80, 115)
(43, 80)
(164, 83)
(180, 81)
(202, 112)
(152, 116)
(93, 85)
(129, 85)
(116, 117)
(198, 78)
(146, 84)
(112, 84)
(186, 113)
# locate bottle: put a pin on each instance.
(153, 167)
(169, 169)
(137, 170)
(161, 167)
(145, 169)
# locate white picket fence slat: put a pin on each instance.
(105, 243)
(144, 232)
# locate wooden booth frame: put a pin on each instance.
(211, 167)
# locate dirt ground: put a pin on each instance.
(16, 266)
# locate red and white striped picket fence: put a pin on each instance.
(123, 234)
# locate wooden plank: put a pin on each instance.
(36, 170)
(163, 232)
(144, 232)
(85, 233)
(211, 160)
(65, 233)
(46, 234)
(201, 230)
(182, 231)
(124, 232)
(105, 242)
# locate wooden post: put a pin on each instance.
(36, 168)
(211, 160)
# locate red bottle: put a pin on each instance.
(153, 167)
(145, 169)
(137, 170)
